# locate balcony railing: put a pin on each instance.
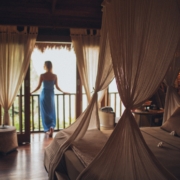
(65, 111)
(115, 102)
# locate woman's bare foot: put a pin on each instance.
(51, 132)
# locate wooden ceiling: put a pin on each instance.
(53, 17)
(52, 13)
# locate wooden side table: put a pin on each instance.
(8, 139)
(150, 114)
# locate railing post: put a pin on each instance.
(64, 124)
(39, 116)
(57, 111)
(69, 109)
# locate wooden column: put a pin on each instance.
(27, 105)
(78, 94)
(104, 100)
(0, 115)
(25, 136)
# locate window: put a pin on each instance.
(114, 99)
(64, 66)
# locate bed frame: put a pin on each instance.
(168, 153)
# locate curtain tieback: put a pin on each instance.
(93, 90)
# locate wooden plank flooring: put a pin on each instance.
(27, 162)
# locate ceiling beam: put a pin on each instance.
(53, 6)
(56, 22)
(52, 13)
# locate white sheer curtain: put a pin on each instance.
(88, 119)
(86, 47)
(143, 36)
(172, 100)
(15, 53)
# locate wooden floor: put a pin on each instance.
(27, 162)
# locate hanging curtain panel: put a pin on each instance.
(86, 46)
(15, 52)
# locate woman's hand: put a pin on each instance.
(66, 93)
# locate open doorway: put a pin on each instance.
(64, 66)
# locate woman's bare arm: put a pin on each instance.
(39, 84)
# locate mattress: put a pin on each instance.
(82, 152)
(168, 155)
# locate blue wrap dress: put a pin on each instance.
(47, 105)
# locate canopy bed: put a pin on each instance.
(164, 146)
(137, 45)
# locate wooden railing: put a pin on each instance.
(115, 102)
(65, 110)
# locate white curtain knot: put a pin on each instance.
(173, 133)
(160, 144)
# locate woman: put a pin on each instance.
(47, 104)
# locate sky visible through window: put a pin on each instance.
(112, 86)
(64, 66)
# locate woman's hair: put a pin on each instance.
(48, 64)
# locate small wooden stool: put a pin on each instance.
(8, 139)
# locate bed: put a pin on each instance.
(169, 152)
(77, 158)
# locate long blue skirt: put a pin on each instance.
(47, 105)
